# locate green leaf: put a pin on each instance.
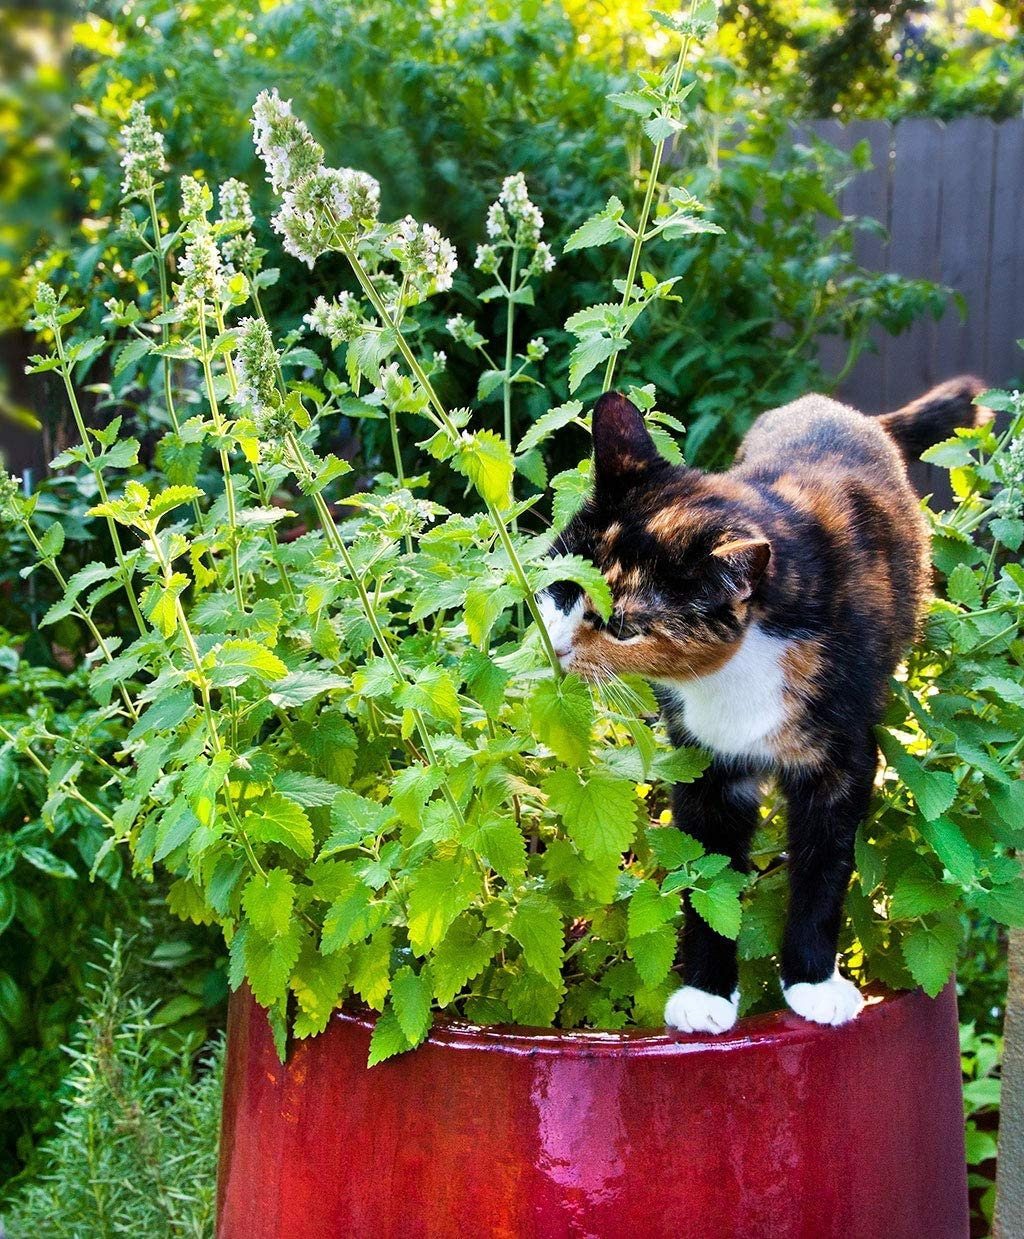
(52, 542)
(930, 954)
(537, 927)
(485, 681)
(176, 827)
(1009, 530)
(547, 424)
(584, 573)
(298, 687)
(682, 765)
(599, 229)
(598, 809)
(234, 662)
(672, 847)
(269, 962)
(371, 968)
(305, 789)
(917, 893)
(570, 489)
(642, 102)
(1008, 801)
(719, 905)
(437, 894)
(410, 998)
(171, 498)
(387, 1038)
(963, 586)
(649, 909)
(562, 715)
(353, 917)
(279, 820)
(269, 902)
(462, 955)
(433, 691)
(484, 604)
(489, 382)
(1003, 903)
(948, 843)
(486, 459)
(934, 790)
(501, 844)
(532, 1000)
(654, 953)
(45, 861)
(317, 981)
(132, 352)
(588, 354)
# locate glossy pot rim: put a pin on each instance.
(778, 1028)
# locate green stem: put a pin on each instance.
(71, 790)
(97, 473)
(225, 463)
(442, 420)
(645, 210)
(337, 544)
(509, 317)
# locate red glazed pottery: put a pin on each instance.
(778, 1130)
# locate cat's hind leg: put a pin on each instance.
(720, 810)
(824, 810)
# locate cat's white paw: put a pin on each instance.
(835, 1001)
(694, 1010)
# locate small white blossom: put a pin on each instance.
(329, 201)
(201, 271)
(339, 320)
(542, 260)
(497, 222)
(536, 349)
(486, 259)
(196, 200)
(424, 254)
(235, 207)
(283, 142)
(142, 153)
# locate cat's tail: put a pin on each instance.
(934, 416)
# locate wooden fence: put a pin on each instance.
(951, 198)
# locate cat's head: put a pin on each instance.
(683, 564)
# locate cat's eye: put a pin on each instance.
(619, 626)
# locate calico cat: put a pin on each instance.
(768, 606)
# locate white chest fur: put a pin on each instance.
(735, 710)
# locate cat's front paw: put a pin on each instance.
(693, 1010)
(835, 1001)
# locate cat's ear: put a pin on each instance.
(746, 560)
(624, 451)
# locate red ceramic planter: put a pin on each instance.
(778, 1130)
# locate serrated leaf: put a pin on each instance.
(485, 681)
(585, 574)
(672, 847)
(917, 893)
(171, 498)
(269, 962)
(318, 982)
(1004, 904)
(599, 229)
(305, 789)
(930, 954)
(499, 842)
(486, 459)
(588, 354)
(934, 790)
(547, 424)
(387, 1038)
(948, 843)
(298, 687)
(371, 968)
(279, 820)
(537, 926)
(963, 586)
(234, 662)
(410, 999)
(465, 951)
(719, 905)
(654, 953)
(570, 489)
(353, 917)
(532, 1000)
(682, 765)
(649, 909)
(562, 715)
(598, 809)
(269, 901)
(437, 894)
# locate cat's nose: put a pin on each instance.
(562, 652)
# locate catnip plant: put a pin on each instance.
(345, 729)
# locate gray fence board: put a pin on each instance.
(1005, 320)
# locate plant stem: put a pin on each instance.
(97, 473)
(442, 420)
(645, 210)
(70, 788)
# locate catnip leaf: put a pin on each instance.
(298, 687)
(963, 586)
(948, 843)
(532, 1000)
(410, 998)
(484, 604)
(584, 573)
(305, 789)
(1004, 904)
(234, 662)
(934, 790)
(1008, 530)
(353, 817)
(1008, 801)
(570, 489)
(918, 892)
(465, 951)
(588, 354)
(485, 681)
(317, 981)
(176, 827)
(719, 904)
(433, 691)
(599, 229)
(682, 765)
(537, 926)
(437, 894)
(649, 909)
(172, 497)
(371, 968)
(269, 902)
(587, 879)
(562, 715)
(276, 819)
(930, 954)
(269, 962)
(501, 844)
(486, 459)
(387, 1038)
(672, 847)
(547, 424)
(598, 809)
(353, 917)
(653, 954)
